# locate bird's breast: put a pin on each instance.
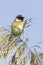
(17, 27)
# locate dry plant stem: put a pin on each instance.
(21, 62)
(4, 40)
(17, 56)
(21, 59)
(32, 63)
(32, 59)
(24, 60)
(8, 48)
(37, 58)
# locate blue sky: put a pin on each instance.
(28, 8)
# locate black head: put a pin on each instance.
(20, 17)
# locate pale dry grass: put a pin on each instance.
(8, 43)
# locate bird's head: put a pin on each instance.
(20, 17)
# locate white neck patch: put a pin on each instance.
(17, 19)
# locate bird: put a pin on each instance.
(17, 26)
